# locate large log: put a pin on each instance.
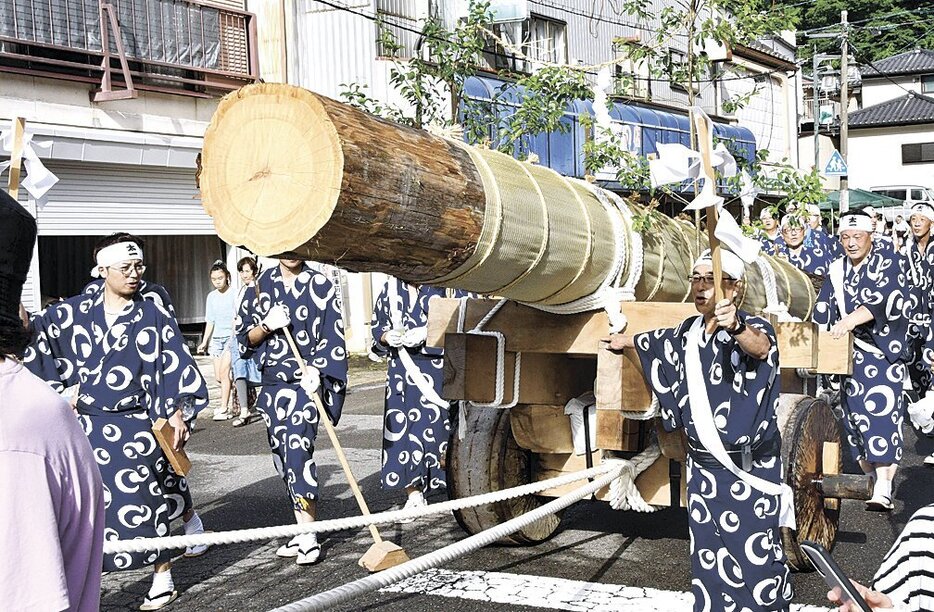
(287, 170)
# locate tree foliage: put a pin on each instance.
(880, 28)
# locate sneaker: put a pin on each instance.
(880, 503)
(415, 500)
(309, 551)
(929, 460)
(289, 549)
(221, 416)
(157, 602)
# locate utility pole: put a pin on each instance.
(844, 108)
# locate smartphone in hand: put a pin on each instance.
(833, 575)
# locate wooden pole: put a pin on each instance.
(705, 146)
(382, 554)
(16, 157)
(326, 421)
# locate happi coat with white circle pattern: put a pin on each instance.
(737, 559)
(128, 375)
(290, 414)
(871, 398)
(416, 427)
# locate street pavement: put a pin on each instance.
(599, 560)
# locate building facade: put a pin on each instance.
(891, 138)
(116, 98)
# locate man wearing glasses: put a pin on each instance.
(130, 364)
(715, 376)
(148, 290)
(791, 247)
(866, 294)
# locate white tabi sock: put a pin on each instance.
(194, 525)
(882, 487)
(162, 583)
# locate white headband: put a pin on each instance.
(115, 253)
(792, 220)
(855, 222)
(732, 265)
(813, 209)
(925, 210)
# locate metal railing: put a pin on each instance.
(178, 46)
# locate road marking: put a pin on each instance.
(552, 593)
(366, 387)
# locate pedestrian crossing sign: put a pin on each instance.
(835, 165)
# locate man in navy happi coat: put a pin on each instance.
(715, 376)
(416, 421)
(294, 297)
(130, 365)
(865, 294)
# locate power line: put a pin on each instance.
(860, 21)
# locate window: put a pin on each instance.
(927, 83)
(539, 39)
(918, 153)
(543, 40)
(677, 70)
(631, 76)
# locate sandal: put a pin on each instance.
(159, 601)
(240, 421)
(880, 503)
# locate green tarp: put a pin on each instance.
(859, 198)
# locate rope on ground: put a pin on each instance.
(328, 599)
(354, 522)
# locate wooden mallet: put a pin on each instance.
(382, 554)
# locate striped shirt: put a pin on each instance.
(906, 574)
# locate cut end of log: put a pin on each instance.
(272, 167)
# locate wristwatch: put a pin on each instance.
(739, 328)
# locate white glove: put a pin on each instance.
(311, 382)
(394, 337)
(415, 337)
(276, 318)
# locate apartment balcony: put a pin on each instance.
(184, 47)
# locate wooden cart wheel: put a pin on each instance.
(810, 447)
(488, 459)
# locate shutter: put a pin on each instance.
(911, 153)
(31, 296)
(99, 199)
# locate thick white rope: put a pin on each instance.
(328, 599)
(353, 522)
(646, 415)
(500, 383)
(623, 492)
(773, 305)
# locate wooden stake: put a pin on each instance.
(383, 554)
(16, 157)
(704, 145)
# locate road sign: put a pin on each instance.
(835, 165)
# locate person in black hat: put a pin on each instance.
(52, 524)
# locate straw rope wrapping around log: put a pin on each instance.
(287, 170)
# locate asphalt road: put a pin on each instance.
(235, 487)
